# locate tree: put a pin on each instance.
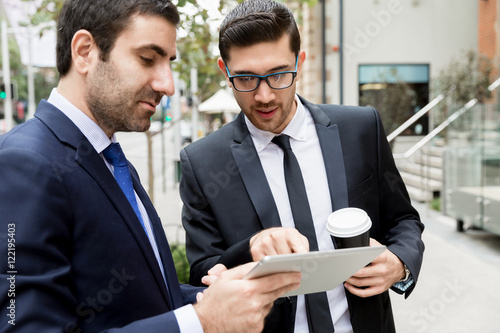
(461, 81)
(466, 78)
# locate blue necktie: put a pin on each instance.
(319, 318)
(115, 156)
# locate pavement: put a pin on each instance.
(458, 288)
(165, 187)
(459, 284)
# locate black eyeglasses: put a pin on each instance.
(248, 82)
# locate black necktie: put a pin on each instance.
(317, 308)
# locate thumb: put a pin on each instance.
(239, 272)
(217, 269)
(374, 242)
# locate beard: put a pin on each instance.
(285, 112)
(115, 104)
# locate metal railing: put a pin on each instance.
(439, 128)
(415, 117)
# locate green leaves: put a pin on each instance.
(180, 260)
(47, 10)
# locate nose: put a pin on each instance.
(163, 81)
(264, 93)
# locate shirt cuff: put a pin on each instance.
(401, 286)
(188, 319)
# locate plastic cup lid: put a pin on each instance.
(348, 222)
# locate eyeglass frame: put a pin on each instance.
(263, 77)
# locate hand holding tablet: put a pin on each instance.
(321, 271)
(325, 270)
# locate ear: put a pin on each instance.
(300, 62)
(222, 67)
(83, 51)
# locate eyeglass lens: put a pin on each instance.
(277, 81)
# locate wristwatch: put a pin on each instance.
(407, 274)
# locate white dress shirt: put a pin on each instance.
(186, 316)
(305, 145)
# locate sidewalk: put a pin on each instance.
(169, 208)
(167, 203)
(458, 288)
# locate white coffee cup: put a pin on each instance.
(350, 227)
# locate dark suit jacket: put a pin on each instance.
(227, 200)
(83, 261)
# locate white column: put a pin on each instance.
(31, 78)
(194, 107)
(175, 106)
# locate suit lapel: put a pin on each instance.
(253, 176)
(331, 148)
(92, 163)
(175, 299)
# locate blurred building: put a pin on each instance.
(489, 30)
(370, 45)
(390, 54)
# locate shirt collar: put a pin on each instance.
(296, 129)
(96, 136)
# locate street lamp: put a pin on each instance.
(6, 78)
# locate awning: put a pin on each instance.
(221, 102)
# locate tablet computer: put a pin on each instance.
(321, 270)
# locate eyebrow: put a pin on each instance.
(275, 69)
(157, 49)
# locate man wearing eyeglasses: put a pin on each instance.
(241, 202)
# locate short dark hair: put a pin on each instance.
(257, 21)
(105, 20)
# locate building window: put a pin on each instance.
(397, 92)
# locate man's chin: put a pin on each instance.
(142, 126)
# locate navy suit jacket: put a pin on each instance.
(83, 261)
(227, 200)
